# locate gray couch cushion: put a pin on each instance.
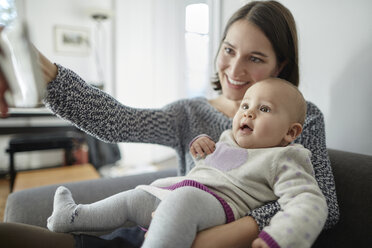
(33, 206)
(353, 176)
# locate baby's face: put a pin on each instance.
(265, 116)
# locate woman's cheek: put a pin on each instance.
(260, 73)
(221, 62)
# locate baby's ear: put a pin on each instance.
(293, 132)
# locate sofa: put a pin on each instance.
(352, 171)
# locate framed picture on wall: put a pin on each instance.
(71, 40)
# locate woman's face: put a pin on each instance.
(246, 56)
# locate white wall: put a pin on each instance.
(43, 15)
(148, 60)
(335, 41)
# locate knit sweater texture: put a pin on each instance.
(175, 125)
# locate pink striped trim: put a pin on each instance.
(228, 211)
(268, 239)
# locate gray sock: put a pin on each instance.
(64, 211)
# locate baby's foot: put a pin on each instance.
(64, 211)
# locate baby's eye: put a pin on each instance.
(265, 109)
(244, 106)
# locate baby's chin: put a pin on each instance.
(244, 144)
(253, 145)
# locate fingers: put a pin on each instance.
(197, 150)
(3, 89)
(3, 108)
(201, 147)
(207, 145)
(1, 29)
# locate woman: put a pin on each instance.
(259, 41)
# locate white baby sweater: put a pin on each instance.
(249, 178)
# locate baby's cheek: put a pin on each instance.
(236, 121)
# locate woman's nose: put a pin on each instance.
(237, 68)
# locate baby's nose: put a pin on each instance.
(250, 114)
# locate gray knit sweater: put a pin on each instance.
(175, 125)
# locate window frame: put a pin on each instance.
(214, 35)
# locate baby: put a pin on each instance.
(235, 177)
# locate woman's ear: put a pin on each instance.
(293, 132)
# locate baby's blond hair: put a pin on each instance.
(299, 101)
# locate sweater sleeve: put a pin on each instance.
(312, 138)
(100, 115)
(303, 206)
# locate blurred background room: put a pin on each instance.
(163, 50)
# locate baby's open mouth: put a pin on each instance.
(245, 127)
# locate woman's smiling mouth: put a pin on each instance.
(235, 83)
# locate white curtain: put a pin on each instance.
(149, 62)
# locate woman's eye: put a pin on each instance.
(255, 59)
(228, 50)
(265, 109)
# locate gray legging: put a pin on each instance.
(184, 212)
(181, 215)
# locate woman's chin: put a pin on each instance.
(234, 96)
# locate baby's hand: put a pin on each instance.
(259, 243)
(202, 146)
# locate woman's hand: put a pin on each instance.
(239, 233)
(49, 74)
(259, 243)
(3, 87)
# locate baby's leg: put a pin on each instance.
(181, 215)
(110, 213)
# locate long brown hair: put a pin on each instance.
(279, 26)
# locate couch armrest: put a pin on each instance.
(353, 176)
(33, 206)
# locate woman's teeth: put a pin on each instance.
(236, 82)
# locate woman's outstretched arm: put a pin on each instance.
(48, 68)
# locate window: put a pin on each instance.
(7, 11)
(197, 49)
